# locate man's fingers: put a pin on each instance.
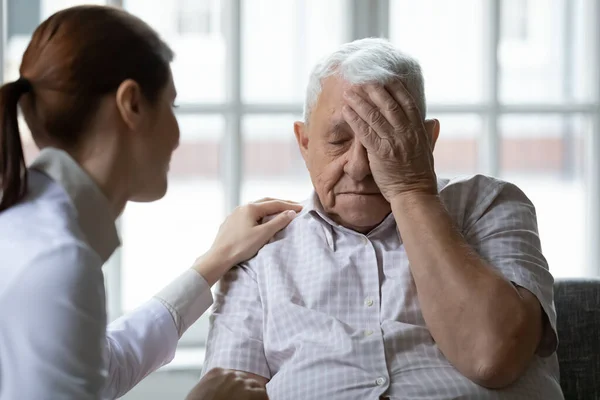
(403, 97)
(388, 106)
(270, 207)
(368, 113)
(367, 135)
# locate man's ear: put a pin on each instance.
(301, 132)
(433, 129)
(129, 103)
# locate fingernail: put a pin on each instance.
(290, 213)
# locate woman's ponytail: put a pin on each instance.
(13, 171)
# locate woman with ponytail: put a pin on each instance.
(97, 94)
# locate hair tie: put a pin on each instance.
(24, 84)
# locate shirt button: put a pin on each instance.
(380, 381)
(368, 333)
(369, 302)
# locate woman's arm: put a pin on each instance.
(146, 339)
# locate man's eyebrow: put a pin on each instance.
(339, 126)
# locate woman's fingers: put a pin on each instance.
(270, 228)
(261, 210)
(265, 199)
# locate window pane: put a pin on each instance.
(456, 148)
(544, 51)
(282, 40)
(194, 30)
(544, 156)
(163, 238)
(273, 166)
(446, 37)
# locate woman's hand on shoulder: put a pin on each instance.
(242, 235)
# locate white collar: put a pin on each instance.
(94, 214)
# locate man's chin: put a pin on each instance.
(361, 213)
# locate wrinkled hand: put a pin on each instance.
(242, 234)
(388, 123)
(220, 384)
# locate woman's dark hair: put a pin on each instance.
(75, 57)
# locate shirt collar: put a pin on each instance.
(313, 210)
(94, 215)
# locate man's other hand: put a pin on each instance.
(221, 384)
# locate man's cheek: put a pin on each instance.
(328, 178)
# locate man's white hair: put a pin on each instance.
(371, 60)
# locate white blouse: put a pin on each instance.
(54, 338)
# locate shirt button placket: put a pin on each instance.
(372, 306)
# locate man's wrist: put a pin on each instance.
(407, 200)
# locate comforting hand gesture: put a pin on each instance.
(220, 384)
(243, 234)
(388, 123)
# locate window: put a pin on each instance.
(523, 71)
(514, 83)
(273, 165)
(198, 17)
(241, 90)
(456, 152)
(515, 23)
(544, 155)
(446, 38)
(199, 66)
(552, 65)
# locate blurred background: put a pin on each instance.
(514, 83)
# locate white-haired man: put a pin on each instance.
(391, 283)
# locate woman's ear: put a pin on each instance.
(129, 103)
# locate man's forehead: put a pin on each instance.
(330, 101)
(335, 85)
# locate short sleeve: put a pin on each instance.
(235, 339)
(506, 235)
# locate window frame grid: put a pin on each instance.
(370, 18)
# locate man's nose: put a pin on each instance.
(357, 166)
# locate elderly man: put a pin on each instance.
(391, 283)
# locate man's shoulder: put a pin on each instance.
(477, 183)
(477, 186)
(287, 239)
(469, 197)
(294, 230)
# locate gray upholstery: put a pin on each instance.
(578, 312)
